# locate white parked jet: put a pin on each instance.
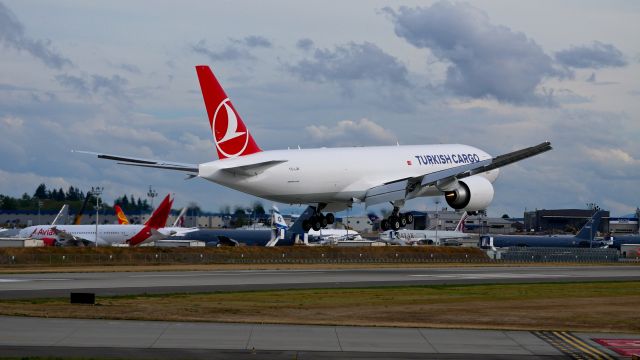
(369, 175)
(410, 237)
(62, 235)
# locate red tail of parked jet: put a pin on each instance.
(122, 218)
(159, 217)
(157, 220)
(231, 136)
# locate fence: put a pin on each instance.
(513, 255)
(209, 258)
(576, 255)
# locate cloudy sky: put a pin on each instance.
(119, 77)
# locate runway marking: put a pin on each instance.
(217, 274)
(28, 280)
(572, 346)
(493, 276)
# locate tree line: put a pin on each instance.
(44, 198)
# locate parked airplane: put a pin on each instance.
(370, 175)
(278, 234)
(107, 234)
(428, 237)
(618, 240)
(165, 230)
(334, 234)
(584, 238)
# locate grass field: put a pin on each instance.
(592, 306)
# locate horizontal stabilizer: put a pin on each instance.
(159, 164)
(253, 169)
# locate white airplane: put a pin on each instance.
(409, 237)
(174, 230)
(133, 235)
(335, 234)
(369, 175)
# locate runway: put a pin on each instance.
(131, 283)
(168, 340)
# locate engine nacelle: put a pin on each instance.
(471, 194)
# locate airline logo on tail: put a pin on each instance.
(278, 220)
(460, 227)
(231, 136)
(122, 218)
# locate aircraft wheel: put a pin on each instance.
(323, 220)
(330, 218)
(394, 223)
(409, 218)
(403, 220)
(316, 225)
(384, 225)
(306, 225)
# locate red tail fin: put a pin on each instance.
(231, 136)
(122, 218)
(460, 226)
(159, 217)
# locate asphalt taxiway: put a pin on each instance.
(131, 283)
(157, 339)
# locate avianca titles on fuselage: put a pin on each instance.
(332, 179)
(107, 234)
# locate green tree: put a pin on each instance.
(258, 209)
(8, 203)
(41, 192)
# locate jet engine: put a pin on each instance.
(470, 194)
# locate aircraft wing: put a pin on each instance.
(176, 231)
(398, 189)
(159, 164)
(69, 239)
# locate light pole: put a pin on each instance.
(151, 194)
(437, 220)
(39, 206)
(97, 191)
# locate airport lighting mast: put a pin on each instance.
(97, 191)
(151, 194)
(437, 220)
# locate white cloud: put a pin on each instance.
(350, 133)
(607, 156)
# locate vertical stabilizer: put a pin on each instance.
(589, 230)
(159, 217)
(122, 218)
(230, 134)
(460, 226)
(63, 212)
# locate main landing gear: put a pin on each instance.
(396, 220)
(318, 221)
